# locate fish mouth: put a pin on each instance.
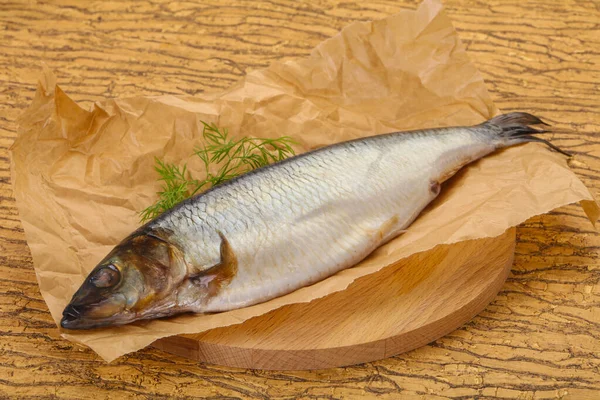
(71, 315)
(75, 317)
(79, 324)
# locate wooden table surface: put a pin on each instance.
(540, 338)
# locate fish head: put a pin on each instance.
(135, 281)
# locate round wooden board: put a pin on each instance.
(400, 308)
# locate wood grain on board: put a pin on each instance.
(539, 338)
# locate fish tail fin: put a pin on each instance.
(513, 128)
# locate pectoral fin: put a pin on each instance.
(219, 275)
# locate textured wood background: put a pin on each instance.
(540, 338)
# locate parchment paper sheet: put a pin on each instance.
(81, 177)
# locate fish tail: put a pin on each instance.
(514, 129)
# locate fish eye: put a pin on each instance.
(106, 276)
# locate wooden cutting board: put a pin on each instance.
(397, 309)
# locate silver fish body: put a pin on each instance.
(304, 219)
(283, 227)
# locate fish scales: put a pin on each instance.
(284, 226)
(331, 203)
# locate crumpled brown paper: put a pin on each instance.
(81, 177)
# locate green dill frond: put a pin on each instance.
(225, 156)
(175, 188)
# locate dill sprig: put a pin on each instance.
(225, 156)
(175, 188)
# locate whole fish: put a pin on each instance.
(284, 226)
